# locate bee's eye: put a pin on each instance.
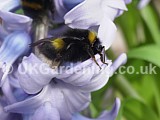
(92, 37)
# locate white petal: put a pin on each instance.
(107, 32)
(117, 4)
(84, 15)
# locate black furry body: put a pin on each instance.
(77, 47)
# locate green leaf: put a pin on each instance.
(93, 110)
(136, 110)
(149, 53)
(149, 17)
(157, 98)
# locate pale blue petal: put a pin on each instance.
(81, 73)
(143, 3)
(91, 12)
(84, 15)
(78, 75)
(62, 7)
(69, 4)
(60, 11)
(32, 70)
(87, 75)
(7, 116)
(106, 115)
(8, 5)
(99, 80)
(128, 1)
(8, 92)
(12, 22)
(66, 98)
(14, 46)
(121, 60)
(46, 112)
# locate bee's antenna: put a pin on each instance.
(39, 42)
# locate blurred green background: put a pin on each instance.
(139, 36)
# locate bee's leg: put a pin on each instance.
(101, 52)
(91, 54)
(103, 56)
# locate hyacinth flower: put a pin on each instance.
(15, 39)
(143, 3)
(68, 93)
(97, 14)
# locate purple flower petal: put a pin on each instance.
(14, 45)
(98, 80)
(64, 97)
(34, 71)
(46, 112)
(60, 11)
(128, 1)
(12, 22)
(106, 115)
(8, 5)
(69, 4)
(40, 74)
(8, 92)
(7, 116)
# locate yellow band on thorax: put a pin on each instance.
(58, 43)
(92, 37)
(35, 6)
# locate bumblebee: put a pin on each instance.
(73, 46)
(37, 8)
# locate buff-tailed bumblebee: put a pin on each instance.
(37, 8)
(73, 46)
